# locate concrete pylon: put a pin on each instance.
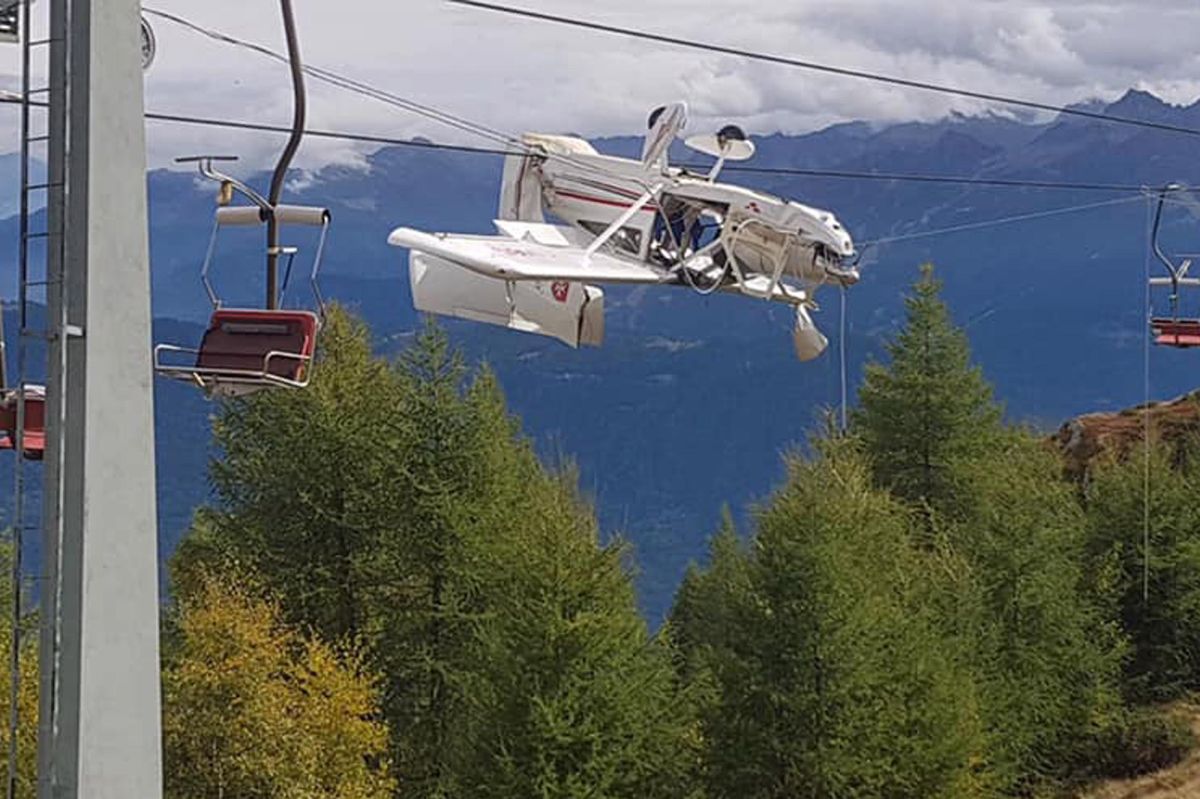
(101, 731)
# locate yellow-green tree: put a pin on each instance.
(27, 700)
(399, 504)
(254, 710)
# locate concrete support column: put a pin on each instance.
(103, 740)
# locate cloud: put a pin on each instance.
(516, 75)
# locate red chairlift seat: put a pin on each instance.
(245, 350)
(1176, 332)
(34, 441)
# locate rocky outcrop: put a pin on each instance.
(1085, 438)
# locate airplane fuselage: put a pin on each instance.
(589, 191)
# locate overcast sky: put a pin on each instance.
(517, 75)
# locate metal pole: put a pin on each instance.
(18, 512)
(289, 151)
(18, 531)
(49, 593)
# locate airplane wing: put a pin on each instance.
(516, 259)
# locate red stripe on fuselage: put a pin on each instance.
(602, 201)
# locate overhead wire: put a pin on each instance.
(987, 223)
(367, 90)
(910, 177)
(511, 142)
(386, 140)
(513, 146)
(831, 69)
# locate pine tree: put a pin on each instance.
(831, 678)
(928, 408)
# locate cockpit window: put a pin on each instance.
(627, 239)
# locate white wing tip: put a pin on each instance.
(404, 237)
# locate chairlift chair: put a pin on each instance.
(249, 349)
(1174, 330)
(33, 441)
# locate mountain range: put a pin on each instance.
(693, 400)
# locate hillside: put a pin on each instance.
(1053, 307)
(1086, 438)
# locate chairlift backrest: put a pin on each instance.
(278, 343)
(246, 350)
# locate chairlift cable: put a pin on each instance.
(1148, 309)
(373, 92)
(910, 177)
(391, 141)
(367, 138)
(996, 222)
(826, 68)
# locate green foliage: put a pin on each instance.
(1164, 624)
(1047, 656)
(572, 697)
(831, 678)
(925, 609)
(1146, 740)
(399, 504)
(253, 710)
(928, 408)
(1009, 579)
(27, 697)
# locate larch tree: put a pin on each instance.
(1157, 588)
(400, 503)
(831, 678)
(1047, 653)
(928, 408)
(253, 709)
(574, 697)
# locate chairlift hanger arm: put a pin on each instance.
(1154, 242)
(205, 164)
(300, 110)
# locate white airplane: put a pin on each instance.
(627, 222)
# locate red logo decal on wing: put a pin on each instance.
(560, 289)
